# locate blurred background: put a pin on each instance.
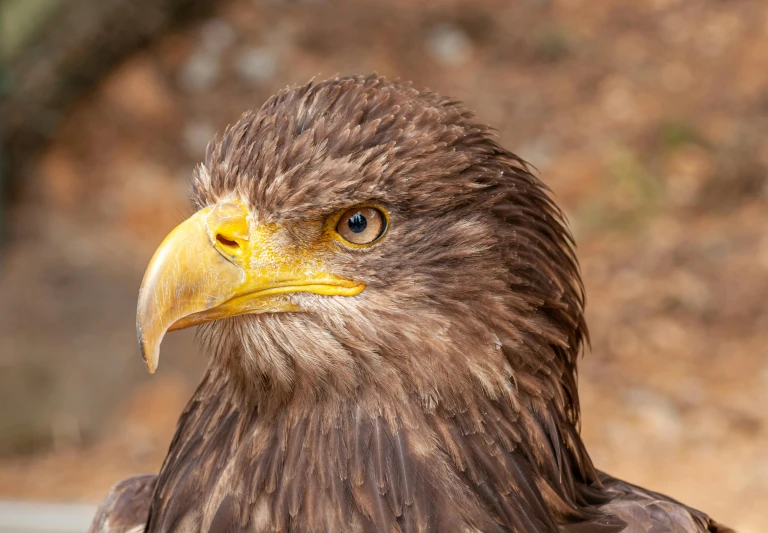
(649, 121)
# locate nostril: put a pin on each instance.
(226, 242)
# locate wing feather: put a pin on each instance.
(126, 507)
(645, 511)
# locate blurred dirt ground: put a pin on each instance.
(649, 120)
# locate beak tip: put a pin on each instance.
(150, 363)
(150, 357)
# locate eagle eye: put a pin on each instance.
(362, 225)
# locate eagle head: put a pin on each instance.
(356, 233)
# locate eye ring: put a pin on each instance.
(361, 226)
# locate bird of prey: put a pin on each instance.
(393, 310)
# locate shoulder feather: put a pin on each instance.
(126, 507)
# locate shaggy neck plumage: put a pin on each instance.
(380, 455)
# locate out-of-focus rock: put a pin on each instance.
(217, 36)
(256, 65)
(203, 67)
(196, 135)
(200, 71)
(449, 45)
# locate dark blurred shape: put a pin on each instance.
(55, 50)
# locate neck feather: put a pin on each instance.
(376, 460)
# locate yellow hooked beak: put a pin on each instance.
(218, 263)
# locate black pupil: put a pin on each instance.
(357, 223)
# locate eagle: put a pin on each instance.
(392, 310)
